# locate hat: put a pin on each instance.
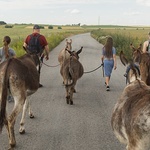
(36, 26)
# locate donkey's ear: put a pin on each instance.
(68, 51)
(123, 58)
(80, 50)
(137, 56)
(140, 47)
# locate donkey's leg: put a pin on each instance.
(22, 122)
(67, 94)
(8, 131)
(30, 110)
(71, 94)
(11, 122)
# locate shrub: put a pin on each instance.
(8, 26)
(59, 27)
(2, 22)
(41, 27)
(50, 27)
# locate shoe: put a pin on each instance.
(125, 75)
(10, 99)
(107, 88)
(40, 85)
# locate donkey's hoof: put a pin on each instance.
(22, 131)
(31, 116)
(74, 91)
(71, 102)
(11, 147)
(67, 99)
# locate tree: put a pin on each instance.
(2, 23)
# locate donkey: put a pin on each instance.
(71, 70)
(130, 119)
(63, 54)
(21, 78)
(126, 62)
(144, 61)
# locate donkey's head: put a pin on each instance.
(134, 72)
(68, 44)
(134, 50)
(75, 54)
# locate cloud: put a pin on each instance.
(143, 2)
(75, 11)
(132, 13)
(36, 4)
(72, 11)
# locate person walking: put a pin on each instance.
(7, 52)
(109, 60)
(146, 45)
(37, 43)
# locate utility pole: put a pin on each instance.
(98, 20)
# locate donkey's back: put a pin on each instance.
(131, 117)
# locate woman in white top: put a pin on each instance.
(5, 51)
(146, 45)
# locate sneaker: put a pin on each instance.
(10, 99)
(40, 85)
(107, 88)
(125, 75)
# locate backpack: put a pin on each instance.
(34, 46)
(148, 47)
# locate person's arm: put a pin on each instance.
(145, 44)
(24, 45)
(46, 50)
(102, 57)
(114, 57)
(115, 61)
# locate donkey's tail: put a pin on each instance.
(71, 78)
(3, 100)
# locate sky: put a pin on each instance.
(68, 12)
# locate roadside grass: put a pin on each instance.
(54, 36)
(122, 37)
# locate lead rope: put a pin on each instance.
(50, 65)
(94, 69)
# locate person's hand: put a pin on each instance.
(115, 67)
(47, 57)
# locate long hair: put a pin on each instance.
(108, 47)
(6, 41)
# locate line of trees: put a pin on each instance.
(2, 23)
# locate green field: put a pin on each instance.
(54, 36)
(123, 35)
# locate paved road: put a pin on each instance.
(83, 126)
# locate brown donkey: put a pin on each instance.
(130, 119)
(144, 62)
(143, 59)
(71, 70)
(21, 78)
(63, 54)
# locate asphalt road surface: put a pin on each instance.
(82, 126)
